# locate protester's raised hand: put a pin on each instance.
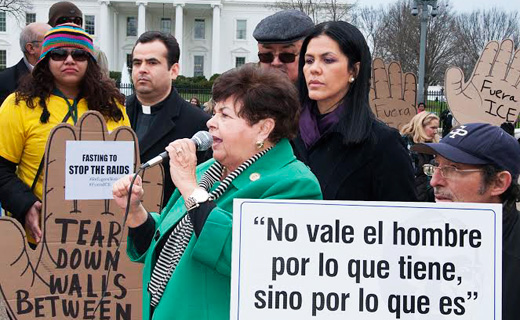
(392, 94)
(183, 163)
(137, 214)
(67, 274)
(492, 94)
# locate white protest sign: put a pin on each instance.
(365, 260)
(92, 167)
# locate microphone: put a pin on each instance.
(202, 139)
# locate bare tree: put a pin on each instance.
(17, 8)
(336, 10)
(317, 10)
(369, 21)
(474, 30)
(399, 40)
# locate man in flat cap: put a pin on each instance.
(480, 163)
(67, 12)
(280, 37)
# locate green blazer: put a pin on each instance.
(200, 286)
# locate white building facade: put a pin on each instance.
(214, 35)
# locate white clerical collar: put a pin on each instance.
(28, 64)
(147, 110)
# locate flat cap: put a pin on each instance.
(283, 27)
(63, 9)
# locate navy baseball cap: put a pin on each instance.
(477, 143)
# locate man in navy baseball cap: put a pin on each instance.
(479, 162)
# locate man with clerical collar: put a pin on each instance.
(31, 39)
(280, 37)
(158, 114)
(480, 163)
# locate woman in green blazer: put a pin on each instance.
(187, 249)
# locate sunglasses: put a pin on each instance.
(62, 54)
(75, 20)
(284, 57)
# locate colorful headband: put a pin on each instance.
(67, 35)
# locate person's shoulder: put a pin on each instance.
(301, 170)
(9, 102)
(384, 133)
(6, 76)
(293, 169)
(193, 112)
(130, 100)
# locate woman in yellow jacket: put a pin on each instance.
(65, 83)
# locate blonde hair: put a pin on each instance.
(415, 128)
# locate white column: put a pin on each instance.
(115, 43)
(104, 41)
(215, 40)
(141, 17)
(179, 21)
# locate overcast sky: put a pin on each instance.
(458, 5)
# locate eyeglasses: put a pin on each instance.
(75, 20)
(62, 54)
(35, 42)
(284, 57)
(447, 172)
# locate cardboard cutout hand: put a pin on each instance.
(492, 94)
(68, 272)
(392, 95)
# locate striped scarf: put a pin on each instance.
(180, 237)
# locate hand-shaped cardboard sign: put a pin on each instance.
(67, 274)
(492, 94)
(392, 94)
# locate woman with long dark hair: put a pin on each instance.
(65, 83)
(354, 156)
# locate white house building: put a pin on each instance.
(214, 35)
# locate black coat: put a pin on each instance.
(10, 78)
(422, 181)
(177, 119)
(376, 171)
(511, 265)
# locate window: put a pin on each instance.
(200, 29)
(3, 59)
(90, 24)
(30, 18)
(2, 22)
(240, 61)
(131, 26)
(166, 25)
(241, 29)
(198, 66)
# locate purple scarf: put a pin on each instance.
(313, 125)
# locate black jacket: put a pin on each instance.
(511, 265)
(377, 171)
(177, 119)
(10, 78)
(422, 181)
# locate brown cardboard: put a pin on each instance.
(66, 275)
(392, 94)
(492, 94)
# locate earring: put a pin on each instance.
(259, 144)
(352, 79)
